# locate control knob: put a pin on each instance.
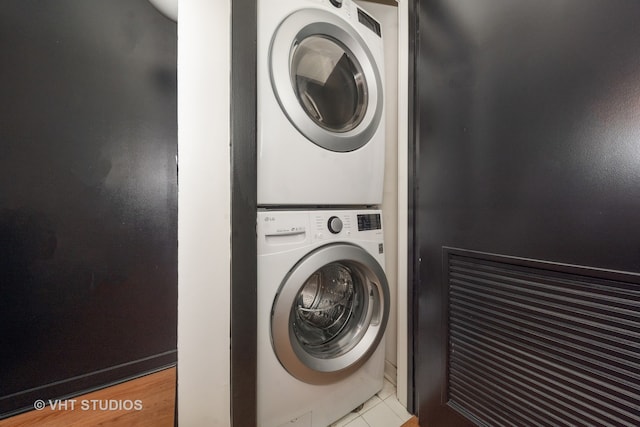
(336, 3)
(334, 224)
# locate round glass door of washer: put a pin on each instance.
(329, 316)
(329, 312)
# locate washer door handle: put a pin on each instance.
(374, 301)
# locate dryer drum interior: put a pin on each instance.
(330, 314)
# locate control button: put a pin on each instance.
(334, 224)
(336, 3)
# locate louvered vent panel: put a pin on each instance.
(534, 346)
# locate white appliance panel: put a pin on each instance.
(285, 238)
(293, 168)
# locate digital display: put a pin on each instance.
(369, 222)
(369, 22)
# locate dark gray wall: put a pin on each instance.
(528, 145)
(88, 196)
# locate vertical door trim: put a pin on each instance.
(413, 248)
(243, 212)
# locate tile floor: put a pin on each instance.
(382, 410)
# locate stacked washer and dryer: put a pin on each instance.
(323, 297)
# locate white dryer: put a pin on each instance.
(321, 127)
(323, 305)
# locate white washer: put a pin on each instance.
(323, 305)
(321, 127)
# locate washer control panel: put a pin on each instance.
(330, 225)
(278, 230)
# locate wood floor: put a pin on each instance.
(144, 402)
(156, 394)
(413, 422)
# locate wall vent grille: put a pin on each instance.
(537, 345)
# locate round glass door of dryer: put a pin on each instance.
(326, 80)
(329, 83)
(330, 313)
